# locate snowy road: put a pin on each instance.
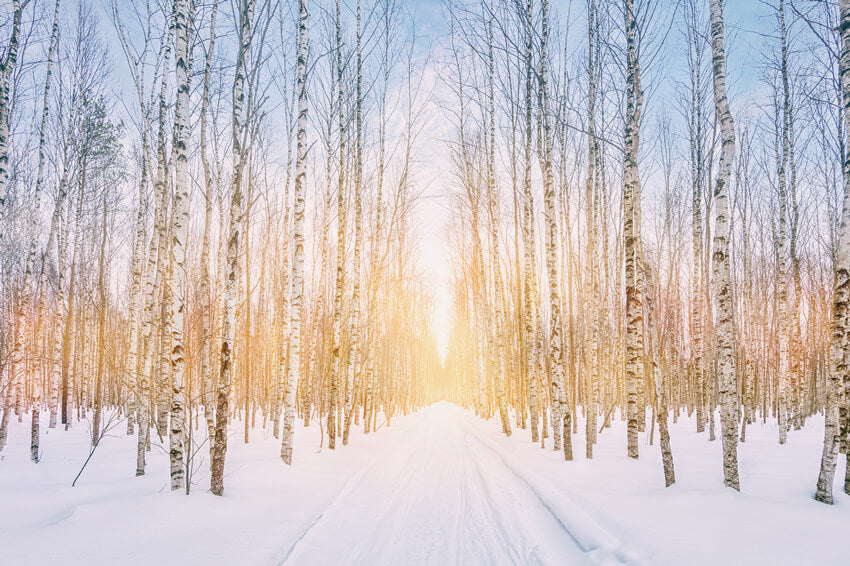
(441, 495)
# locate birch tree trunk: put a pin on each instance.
(206, 297)
(180, 233)
(7, 66)
(152, 272)
(340, 248)
(296, 308)
(654, 349)
(727, 385)
(563, 416)
(135, 302)
(631, 232)
(591, 200)
(499, 338)
(246, 16)
(789, 169)
(354, 336)
(695, 137)
(138, 260)
(68, 340)
(376, 256)
(17, 355)
(783, 249)
(102, 277)
(53, 383)
(529, 264)
(838, 368)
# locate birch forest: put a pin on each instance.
(320, 232)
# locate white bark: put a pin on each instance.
(531, 306)
(17, 354)
(783, 243)
(631, 234)
(340, 249)
(246, 16)
(563, 416)
(180, 233)
(138, 260)
(354, 364)
(206, 297)
(151, 277)
(7, 66)
(727, 386)
(838, 370)
(498, 320)
(591, 203)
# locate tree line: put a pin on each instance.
(208, 215)
(167, 292)
(718, 292)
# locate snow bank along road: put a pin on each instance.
(437, 487)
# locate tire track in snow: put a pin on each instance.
(600, 546)
(496, 515)
(348, 488)
(540, 499)
(412, 473)
(518, 509)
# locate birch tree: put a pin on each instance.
(153, 272)
(222, 412)
(7, 67)
(20, 325)
(354, 333)
(631, 230)
(498, 315)
(336, 351)
(530, 295)
(295, 329)
(837, 376)
(727, 383)
(180, 233)
(563, 417)
(591, 204)
(209, 201)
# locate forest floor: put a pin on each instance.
(439, 486)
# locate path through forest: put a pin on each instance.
(443, 496)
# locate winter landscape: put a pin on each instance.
(386, 282)
(439, 486)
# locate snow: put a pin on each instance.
(439, 486)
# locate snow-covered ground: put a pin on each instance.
(437, 487)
